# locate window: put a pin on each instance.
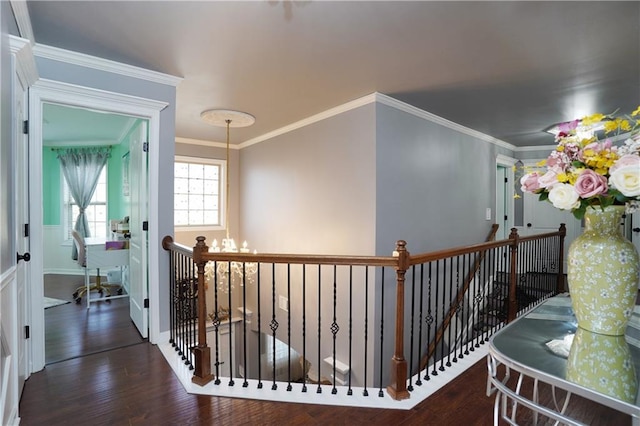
(96, 211)
(198, 190)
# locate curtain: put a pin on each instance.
(81, 168)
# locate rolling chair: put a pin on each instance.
(78, 240)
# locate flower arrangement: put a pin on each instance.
(587, 169)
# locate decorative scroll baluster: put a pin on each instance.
(334, 326)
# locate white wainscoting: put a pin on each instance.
(57, 253)
(9, 398)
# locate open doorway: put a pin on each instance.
(73, 328)
(148, 112)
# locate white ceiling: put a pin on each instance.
(507, 69)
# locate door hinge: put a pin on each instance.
(506, 217)
(25, 127)
(145, 226)
(145, 147)
(26, 332)
(26, 229)
(506, 180)
(146, 303)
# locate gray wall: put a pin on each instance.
(313, 191)
(73, 74)
(7, 227)
(433, 185)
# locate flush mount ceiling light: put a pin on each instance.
(229, 272)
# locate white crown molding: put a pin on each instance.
(410, 109)
(504, 160)
(536, 148)
(188, 141)
(386, 100)
(310, 120)
(25, 62)
(23, 20)
(88, 61)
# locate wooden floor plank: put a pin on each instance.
(134, 385)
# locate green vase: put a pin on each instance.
(602, 363)
(603, 273)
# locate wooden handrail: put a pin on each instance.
(459, 298)
(401, 260)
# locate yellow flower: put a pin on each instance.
(541, 163)
(636, 112)
(592, 119)
(617, 124)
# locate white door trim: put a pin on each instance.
(507, 163)
(45, 91)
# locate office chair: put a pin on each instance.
(78, 240)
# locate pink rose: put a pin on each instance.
(529, 182)
(550, 178)
(589, 184)
(624, 161)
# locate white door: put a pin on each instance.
(501, 203)
(22, 233)
(138, 271)
(541, 217)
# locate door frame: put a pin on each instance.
(48, 91)
(506, 163)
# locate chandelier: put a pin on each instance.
(229, 273)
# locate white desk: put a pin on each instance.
(98, 257)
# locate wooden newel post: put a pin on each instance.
(397, 388)
(512, 309)
(561, 286)
(202, 373)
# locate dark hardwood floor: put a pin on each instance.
(134, 385)
(72, 330)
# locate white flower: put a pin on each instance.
(564, 196)
(626, 179)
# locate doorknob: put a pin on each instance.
(636, 229)
(26, 257)
(528, 225)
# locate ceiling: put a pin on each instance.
(506, 69)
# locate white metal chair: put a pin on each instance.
(87, 288)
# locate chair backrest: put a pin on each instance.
(79, 242)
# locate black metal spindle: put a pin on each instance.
(428, 319)
(334, 325)
(245, 382)
(216, 322)
(413, 314)
(289, 387)
(304, 327)
(319, 389)
(349, 390)
(451, 306)
(259, 319)
(436, 317)
(365, 392)
(229, 287)
(274, 323)
(380, 393)
(419, 319)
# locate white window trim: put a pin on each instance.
(222, 194)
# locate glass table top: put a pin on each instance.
(609, 365)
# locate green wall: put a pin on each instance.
(118, 204)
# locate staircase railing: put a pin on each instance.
(334, 311)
